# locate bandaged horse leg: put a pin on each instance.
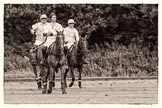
(73, 77)
(44, 79)
(62, 80)
(38, 80)
(53, 84)
(51, 74)
(66, 71)
(79, 80)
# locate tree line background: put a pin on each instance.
(123, 38)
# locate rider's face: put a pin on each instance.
(71, 25)
(53, 18)
(43, 20)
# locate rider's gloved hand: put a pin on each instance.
(51, 34)
(44, 34)
(33, 31)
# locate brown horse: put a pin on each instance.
(75, 57)
(56, 60)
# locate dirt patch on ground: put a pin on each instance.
(93, 92)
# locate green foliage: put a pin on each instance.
(123, 30)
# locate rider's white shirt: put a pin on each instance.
(71, 36)
(55, 27)
(41, 28)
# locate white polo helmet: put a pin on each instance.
(71, 21)
(43, 16)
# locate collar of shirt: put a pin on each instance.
(44, 23)
(70, 28)
(53, 25)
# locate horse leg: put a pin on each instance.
(44, 79)
(38, 79)
(62, 80)
(80, 73)
(66, 71)
(53, 83)
(73, 77)
(32, 57)
(51, 72)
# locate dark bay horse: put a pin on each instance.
(56, 60)
(75, 56)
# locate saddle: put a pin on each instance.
(68, 53)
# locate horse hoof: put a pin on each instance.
(53, 84)
(49, 91)
(64, 93)
(39, 88)
(39, 85)
(80, 87)
(43, 91)
(71, 84)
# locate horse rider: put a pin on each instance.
(55, 25)
(43, 32)
(71, 37)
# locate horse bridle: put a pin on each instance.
(54, 43)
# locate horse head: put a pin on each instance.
(82, 45)
(59, 43)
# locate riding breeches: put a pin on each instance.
(47, 43)
(69, 44)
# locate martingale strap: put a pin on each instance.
(70, 49)
(49, 50)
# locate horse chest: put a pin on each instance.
(73, 62)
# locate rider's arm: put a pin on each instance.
(65, 34)
(60, 28)
(34, 28)
(76, 35)
(50, 31)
